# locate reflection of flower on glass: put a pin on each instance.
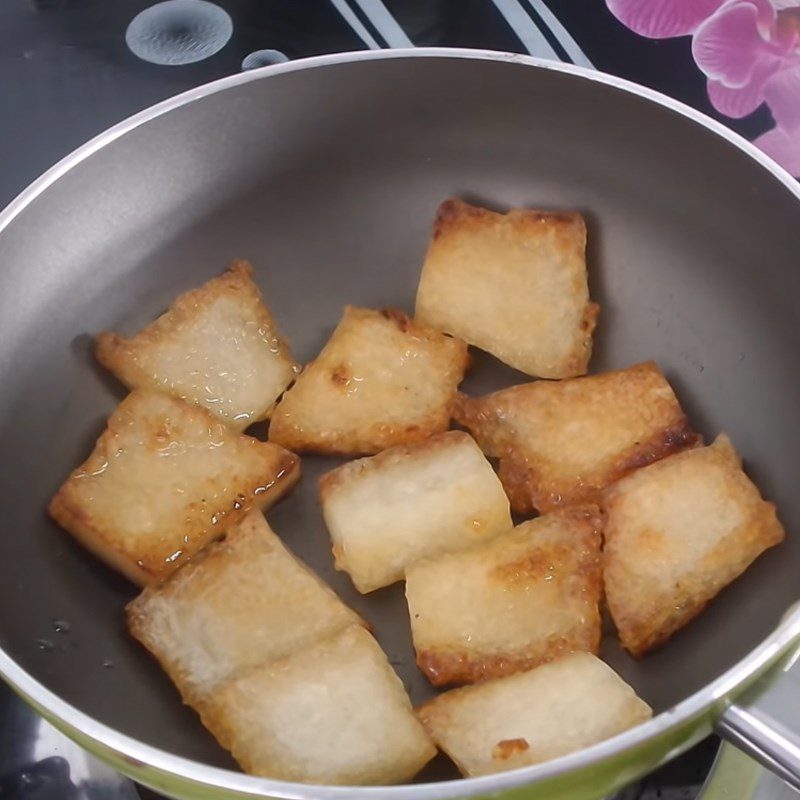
(748, 49)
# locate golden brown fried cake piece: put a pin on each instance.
(563, 442)
(678, 532)
(165, 479)
(411, 501)
(333, 713)
(217, 346)
(381, 380)
(512, 284)
(533, 716)
(242, 602)
(526, 597)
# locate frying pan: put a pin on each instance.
(326, 173)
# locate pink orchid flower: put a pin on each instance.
(663, 19)
(748, 49)
(740, 48)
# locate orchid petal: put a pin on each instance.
(728, 47)
(661, 19)
(736, 103)
(782, 93)
(783, 147)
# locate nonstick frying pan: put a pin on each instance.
(326, 173)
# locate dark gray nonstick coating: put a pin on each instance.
(327, 180)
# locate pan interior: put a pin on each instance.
(327, 180)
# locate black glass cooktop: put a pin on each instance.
(71, 68)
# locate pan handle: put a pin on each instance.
(765, 721)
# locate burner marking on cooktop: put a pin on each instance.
(179, 32)
(263, 58)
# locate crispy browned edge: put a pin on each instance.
(75, 520)
(382, 436)
(508, 748)
(526, 490)
(578, 362)
(114, 351)
(641, 636)
(454, 215)
(449, 666)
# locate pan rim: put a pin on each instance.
(708, 699)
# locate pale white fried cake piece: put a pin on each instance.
(678, 532)
(242, 602)
(563, 442)
(165, 479)
(217, 346)
(410, 501)
(526, 597)
(333, 713)
(533, 716)
(513, 284)
(381, 380)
